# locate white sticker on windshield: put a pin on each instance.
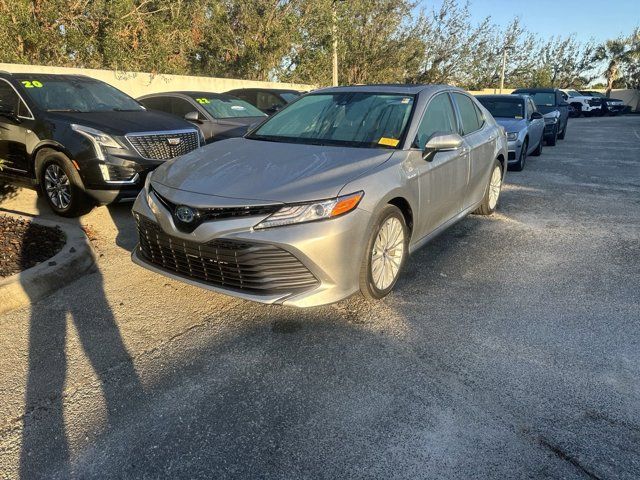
(237, 107)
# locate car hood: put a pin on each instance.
(547, 109)
(512, 124)
(121, 123)
(552, 114)
(241, 168)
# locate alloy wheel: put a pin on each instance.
(387, 253)
(494, 187)
(57, 186)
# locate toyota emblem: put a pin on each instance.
(185, 214)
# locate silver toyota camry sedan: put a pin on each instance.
(326, 198)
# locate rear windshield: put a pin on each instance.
(227, 107)
(355, 119)
(501, 108)
(543, 99)
(76, 95)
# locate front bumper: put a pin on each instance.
(331, 250)
(513, 151)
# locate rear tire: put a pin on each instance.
(385, 254)
(553, 139)
(492, 194)
(61, 186)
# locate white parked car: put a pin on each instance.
(582, 104)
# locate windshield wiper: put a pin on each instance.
(64, 110)
(126, 110)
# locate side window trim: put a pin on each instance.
(30, 117)
(459, 115)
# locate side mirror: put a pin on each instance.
(442, 142)
(273, 109)
(536, 116)
(193, 117)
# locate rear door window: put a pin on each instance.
(9, 100)
(469, 114)
(162, 104)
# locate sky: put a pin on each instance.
(587, 19)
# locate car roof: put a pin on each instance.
(50, 76)
(501, 96)
(272, 90)
(408, 89)
(188, 93)
(535, 90)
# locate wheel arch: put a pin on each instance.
(38, 156)
(404, 206)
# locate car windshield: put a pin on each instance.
(77, 95)
(543, 99)
(227, 107)
(595, 94)
(573, 93)
(289, 96)
(504, 108)
(355, 119)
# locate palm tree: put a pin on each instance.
(615, 53)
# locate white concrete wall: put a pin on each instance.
(139, 83)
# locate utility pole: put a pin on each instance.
(504, 65)
(334, 28)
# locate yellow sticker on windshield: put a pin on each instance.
(203, 101)
(32, 84)
(391, 142)
(518, 117)
(405, 100)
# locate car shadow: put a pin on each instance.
(44, 439)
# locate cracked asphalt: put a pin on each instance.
(510, 348)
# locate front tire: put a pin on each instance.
(553, 139)
(385, 254)
(519, 166)
(492, 194)
(61, 186)
(563, 132)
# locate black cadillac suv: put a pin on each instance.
(80, 141)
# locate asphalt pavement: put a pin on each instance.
(510, 348)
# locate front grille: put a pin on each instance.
(230, 264)
(594, 102)
(215, 213)
(164, 145)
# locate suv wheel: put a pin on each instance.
(385, 254)
(61, 186)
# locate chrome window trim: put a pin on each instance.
(21, 99)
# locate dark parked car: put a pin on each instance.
(269, 100)
(610, 106)
(218, 116)
(522, 122)
(550, 102)
(82, 141)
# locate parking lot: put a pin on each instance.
(509, 349)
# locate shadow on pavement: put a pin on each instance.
(44, 443)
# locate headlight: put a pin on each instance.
(512, 136)
(312, 211)
(551, 120)
(97, 138)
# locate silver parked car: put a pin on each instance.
(326, 198)
(522, 121)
